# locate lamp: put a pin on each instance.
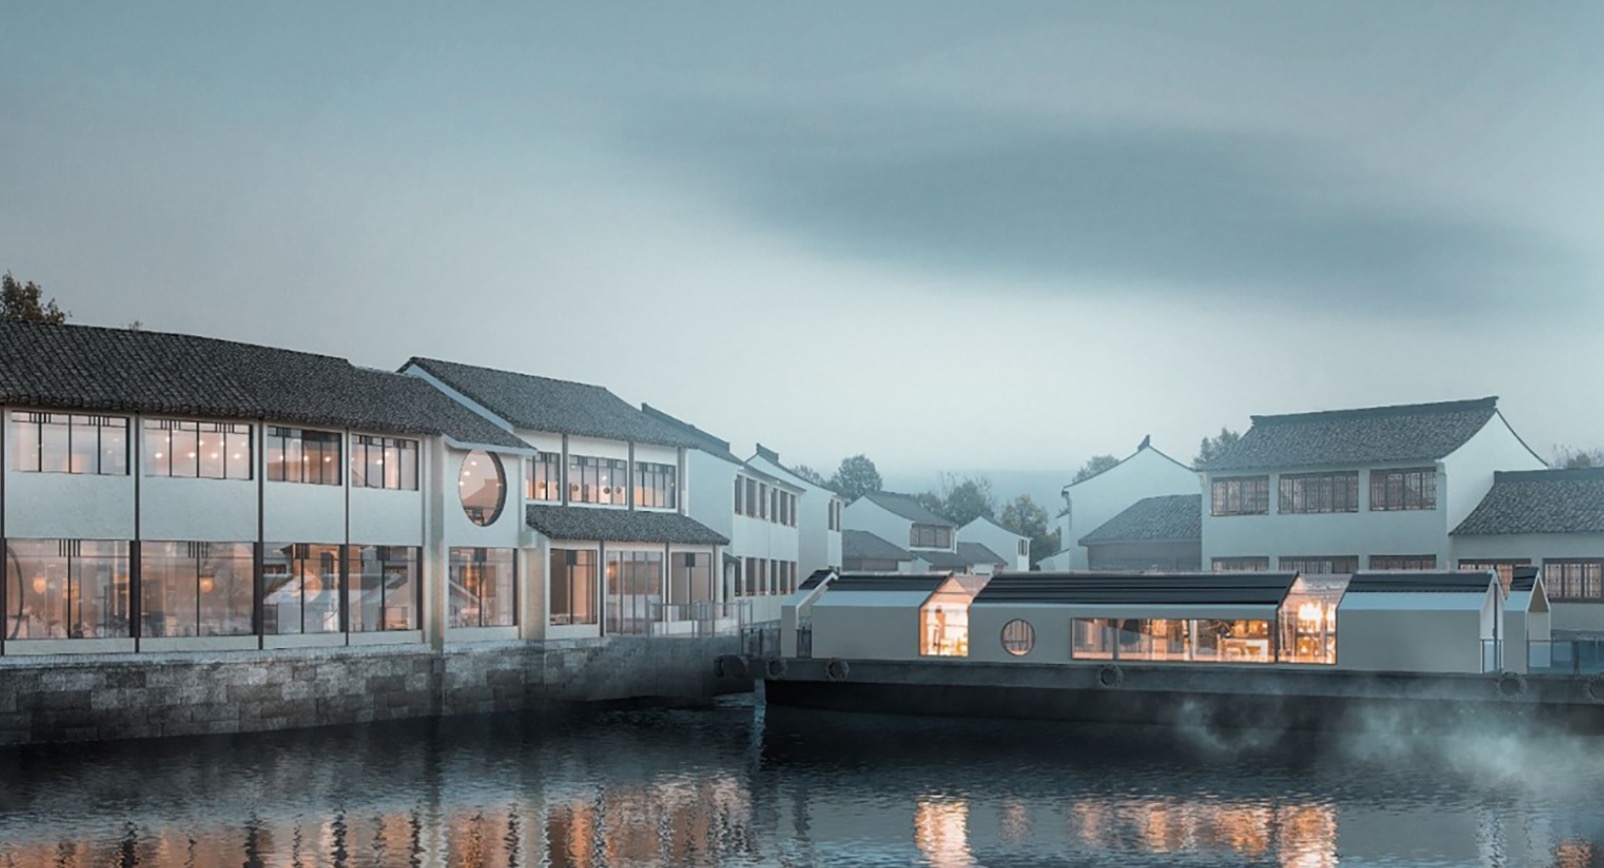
(207, 584)
(39, 584)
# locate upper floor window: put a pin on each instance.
(1320, 564)
(384, 462)
(655, 485)
(208, 450)
(1024, 547)
(835, 514)
(1580, 579)
(1415, 488)
(545, 480)
(1504, 567)
(1320, 492)
(929, 536)
(751, 498)
(740, 485)
(763, 500)
(1240, 495)
(1403, 562)
(598, 480)
(1241, 565)
(69, 443)
(294, 455)
(482, 487)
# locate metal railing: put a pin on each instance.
(694, 620)
(1547, 657)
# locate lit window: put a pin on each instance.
(384, 462)
(482, 590)
(545, 477)
(655, 486)
(482, 487)
(294, 455)
(66, 589)
(598, 480)
(205, 450)
(63, 443)
(1018, 637)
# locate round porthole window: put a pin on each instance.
(483, 487)
(1018, 637)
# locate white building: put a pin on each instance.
(760, 512)
(1552, 519)
(1015, 548)
(1338, 491)
(902, 521)
(864, 552)
(1091, 502)
(819, 512)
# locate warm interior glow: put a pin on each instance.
(207, 584)
(40, 584)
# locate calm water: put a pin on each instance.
(736, 786)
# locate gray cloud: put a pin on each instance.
(1232, 218)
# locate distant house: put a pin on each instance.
(1091, 502)
(862, 551)
(1376, 488)
(1553, 519)
(987, 532)
(1155, 533)
(819, 514)
(902, 521)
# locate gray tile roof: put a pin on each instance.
(702, 440)
(978, 553)
(1138, 589)
(555, 406)
(927, 582)
(862, 545)
(74, 367)
(1373, 435)
(1540, 501)
(619, 525)
(907, 507)
(942, 560)
(1420, 583)
(1170, 517)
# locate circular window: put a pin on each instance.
(482, 487)
(1018, 637)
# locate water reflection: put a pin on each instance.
(738, 787)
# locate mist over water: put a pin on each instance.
(744, 786)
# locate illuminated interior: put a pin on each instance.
(1308, 620)
(1172, 640)
(944, 618)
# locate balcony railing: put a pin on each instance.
(641, 617)
(1547, 657)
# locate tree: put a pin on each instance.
(811, 475)
(1024, 516)
(963, 502)
(20, 302)
(1213, 447)
(1093, 466)
(1569, 459)
(856, 477)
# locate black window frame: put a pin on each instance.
(1318, 493)
(39, 418)
(284, 434)
(1390, 490)
(362, 446)
(1225, 488)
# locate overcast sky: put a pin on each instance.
(966, 235)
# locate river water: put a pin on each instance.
(739, 785)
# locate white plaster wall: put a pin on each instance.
(657, 454)
(714, 503)
(198, 510)
(68, 506)
(297, 512)
(818, 546)
(759, 538)
(503, 532)
(383, 517)
(864, 514)
(1000, 540)
(1467, 473)
(541, 440)
(1409, 640)
(869, 626)
(1536, 548)
(1094, 501)
(1362, 533)
(596, 448)
(1050, 623)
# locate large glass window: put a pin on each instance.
(944, 622)
(1308, 620)
(634, 585)
(69, 443)
(1403, 562)
(482, 487)
(1240, 495)
(301, 588)
(384, 462)
(205, 450)
(1319, 492)
(655, 485)
(196, 589)
(66, 589)
(1018, 637)
(1320, 564)
(545, 481)
(296, 455)
(482, 588)
(1415, 488)
(1574, 579)
(598, 480)
(386, 588)
(573, 586)
(1207, 640)
(690, 577)
(929, 536)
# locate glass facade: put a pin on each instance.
(66, 589)
(944, 622)
(482, 487)
(385, 588)
(1192, 640)
(482, 590)
(656, 485)
(545, 482)
(196, 589)
(69, 443)
(203, 450)
(573, 586)
(295, 455)
(690, 577)
(634, 586)
(384, 462)
(301, 588)
(598, 480)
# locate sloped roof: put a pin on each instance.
(1145, 446)
(862, 545)
(1371, 435)
(1180, 589)
(556, 406)
(906, 506)
(997, 524)
(75, 367)
(1166, 518)
(1540, 501)
(619, 525)
(702, 440)
(979, 553)
(1419, 583)
(943, 560)
(769, 455)
(916, 582)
